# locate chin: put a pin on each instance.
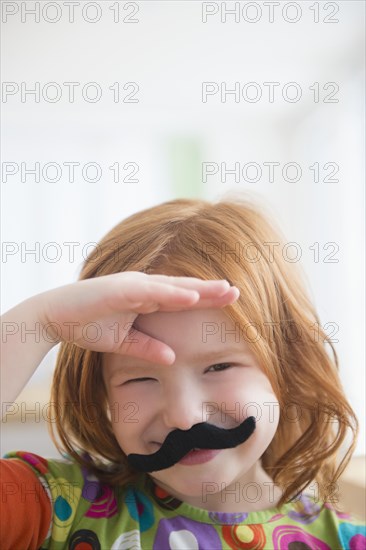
(194, 481)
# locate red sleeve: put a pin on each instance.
(25, 507)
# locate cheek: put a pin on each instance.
(130, 413)
(134, 403)
(250, 395)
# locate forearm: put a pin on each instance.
(24, 344)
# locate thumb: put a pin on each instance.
(140, 345)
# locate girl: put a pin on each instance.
(191, 413)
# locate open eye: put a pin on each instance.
(222, 366)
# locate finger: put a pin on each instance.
(214, 302)
(204, 303)
(204, 287)
(140, 345)
(168, 294)
(156, 293)
(220, 301)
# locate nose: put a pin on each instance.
(182, 404)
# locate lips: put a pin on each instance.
(199, 456)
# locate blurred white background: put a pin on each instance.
(169, 132)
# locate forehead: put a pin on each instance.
(195, 335)
(201, 328)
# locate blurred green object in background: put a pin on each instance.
(184, 161)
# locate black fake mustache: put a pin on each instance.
(180, 442)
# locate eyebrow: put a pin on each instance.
(215, 354)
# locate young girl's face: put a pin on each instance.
(149, 400)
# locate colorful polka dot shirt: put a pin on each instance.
(68, 508)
